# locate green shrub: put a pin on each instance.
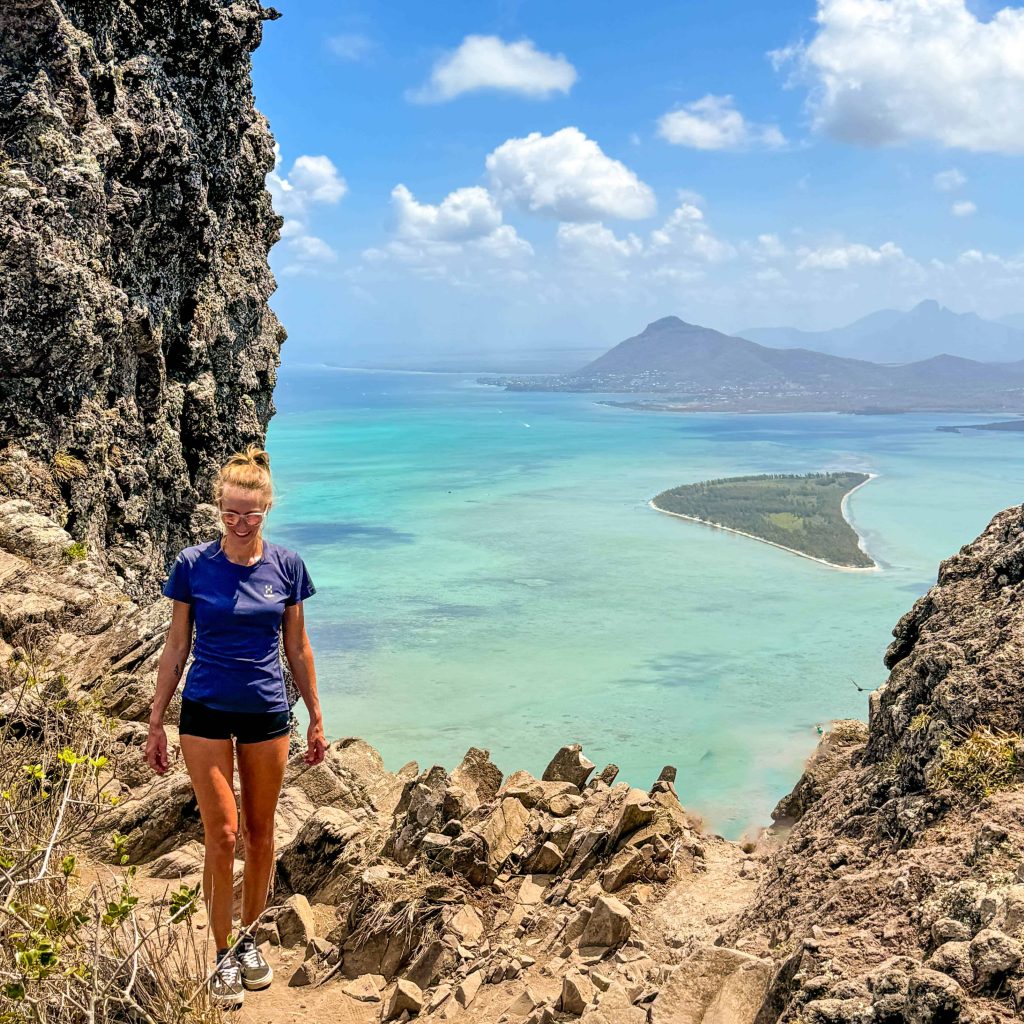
(76, 552)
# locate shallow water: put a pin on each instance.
(489, 574)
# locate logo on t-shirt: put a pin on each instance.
(268, 590)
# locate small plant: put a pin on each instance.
(984, 762)
(65, 467)
(920, 721)
(183, 902)
(76, 552)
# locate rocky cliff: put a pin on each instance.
(136, 345)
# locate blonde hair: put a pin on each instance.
(249, 470)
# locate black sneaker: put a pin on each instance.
(256, 972)
(225, 984)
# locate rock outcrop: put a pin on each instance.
(136, 344)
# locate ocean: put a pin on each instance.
(489, 574)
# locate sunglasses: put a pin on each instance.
(249, 518)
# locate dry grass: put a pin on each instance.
(65, 467)
(983, 762)
(76, 943)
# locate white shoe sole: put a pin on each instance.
(227, 1002)
(258, 986)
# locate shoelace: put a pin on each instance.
(229, 973)
(249, 956)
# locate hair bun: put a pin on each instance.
(257, 456)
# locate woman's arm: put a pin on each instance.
(168, 675)
(300, 659)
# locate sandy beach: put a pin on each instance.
(802, 554)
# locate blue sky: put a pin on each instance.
(492, 177)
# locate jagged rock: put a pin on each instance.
(933, 998)
(524, 1004)
(531, 792)
(546, 860)
(577, 992)
(136, 232)
(467, 989)
(430, 964)
(318, 948)
(478, 775)
(438, 997)
(314, 863)
(266, 931)
(295, 922)
(626, 866)
(831, 756)
(160, 821)
(953, 958)
(305, 974)
(531, 890)
(188, 860)
(501, 831)
(609, 924)
(366, 988)
(466, 925)
(947, 929)
(382, 952)
(1009, 916)
(992, 955)
(637, 811)
(706, 980)
(569, 765)
(405, 997)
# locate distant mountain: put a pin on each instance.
(671, 348)
(891, 336)
(700, 368)
(1013, 320)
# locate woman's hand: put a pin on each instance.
(156, 748)
(316, 744)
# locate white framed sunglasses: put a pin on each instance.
(249, 518)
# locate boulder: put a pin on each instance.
(933, 998)
(295, 922)
(638, 810)
(700, 981)
(626, 866)
(569, 765)
(318, 862)
(163, 819)
(177, 863)
(430, 964)
(609, 924)
(365, 989)
(954, 959)
(993, 955)
(465, 924)
(524, 1004)
(406, 996)
(501, 831)
(478, 775)
(577, 992)
(467, 989)
(547, 860)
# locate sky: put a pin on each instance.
(484, 178)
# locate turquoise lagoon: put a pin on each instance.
(489, 574)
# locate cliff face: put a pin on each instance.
(136, 345)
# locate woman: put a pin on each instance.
(239, 592)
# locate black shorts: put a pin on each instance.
(245, 726)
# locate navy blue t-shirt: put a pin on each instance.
(238, 609)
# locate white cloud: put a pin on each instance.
(714, 123)
(463, 214)
(350, 46)
(592, 245)
(459, 239)
(685, 234)
(963, 208)
(566, 175)
(313, 180)
(897, 71)
(487, 62)
(949, 181)
(853, 254)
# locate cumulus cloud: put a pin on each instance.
(714, 123)
(312, 181)
(963, 208)
(949, 181)
(461, 236)
(853, 254)
(896, 71)
(686, 234)
(566, 175)
(592, 246)
(487, 62)
(352, 46)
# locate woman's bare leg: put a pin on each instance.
(211, 768)
(260, 772)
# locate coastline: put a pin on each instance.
(803, 554)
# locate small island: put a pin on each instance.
(802, 514)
